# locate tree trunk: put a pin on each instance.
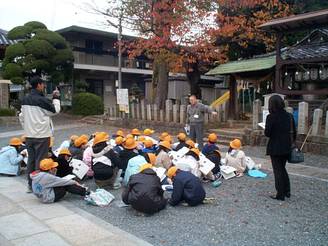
(160, 82)
(193, 76)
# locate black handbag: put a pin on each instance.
(296, 155)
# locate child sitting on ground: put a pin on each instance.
(149, 146)
(186, 187)
(10, 158)
(144, 191)
(105, 162)
(236, 158)
(181, 141)
(49, 188)
(162, 158)
(118, 147)
(63, 160)
(211, 144)
(79, 146)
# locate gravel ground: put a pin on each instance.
(242, 213)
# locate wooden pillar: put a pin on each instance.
(278, 63)
(149, 112)
(175, 113)
(143, 110)
(183, 112)
(233, 100)
(317, 122)
(256, 113)
(155, 107)
(168, 110)
(303, 118)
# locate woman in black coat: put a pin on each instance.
(144, 192)
(280, 129)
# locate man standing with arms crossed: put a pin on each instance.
(195, 118)
(35, 118)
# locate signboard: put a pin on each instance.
(122, 96)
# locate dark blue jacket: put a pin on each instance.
(187, 187)
(209, 148)
(149, 150)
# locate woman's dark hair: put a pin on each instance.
(276, 104)
(230, 149)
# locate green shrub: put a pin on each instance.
(7, 112)
(87, 104)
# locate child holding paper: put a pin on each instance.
(49, 188)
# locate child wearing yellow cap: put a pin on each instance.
(63, 160)
(79, 146)
(236, 158)
(186, 187)
(49, 188)
(182, 137)
(162, 157)
(211, 145)
(10, 158)
(149, 146)
(144, 191)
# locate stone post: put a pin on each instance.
(149, 112)
(317, 122)
(256, 113)
(303, 118)
(161, 115)
(138, 111)
(143, 110)
(326, 125)
(168, 110)
(176, 113)
(155, 107)
(183, 109)
(133, 112)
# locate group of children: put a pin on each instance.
(130, 160)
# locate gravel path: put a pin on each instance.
(242, 213)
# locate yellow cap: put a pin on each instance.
(172, 172)
(165, 144)
(152, 158)
(47, 164)
(84, 137)
(135, 131)
(213, 138)
(148, 132)
(100, 138)
(145, 166)
(168, 138)
(235, 144)
(74, 137)
(196, 151)
(163, 135)
(80, 141)
(120, 133)
(130, 143)
(15, 142)
(64, 152)
(148, 143)
(190, 143)
(129, 136)
(141, 138)
(119, 140)
(182, 136)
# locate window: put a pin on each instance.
(93, 46)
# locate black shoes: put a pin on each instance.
(280, 198)
(288, 194)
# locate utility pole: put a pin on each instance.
(119, 39)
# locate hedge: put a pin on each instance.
(7, 112)
(87, 104)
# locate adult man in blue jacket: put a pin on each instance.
(186, 187)
(35, 118)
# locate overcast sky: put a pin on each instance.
(55, 14)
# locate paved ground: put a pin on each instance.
(242, 213)
(25, 221)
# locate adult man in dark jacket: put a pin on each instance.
(35, 118)
(186, 187)
(144, 191)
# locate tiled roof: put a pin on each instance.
(4, 40)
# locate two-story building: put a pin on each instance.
(96, 63)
